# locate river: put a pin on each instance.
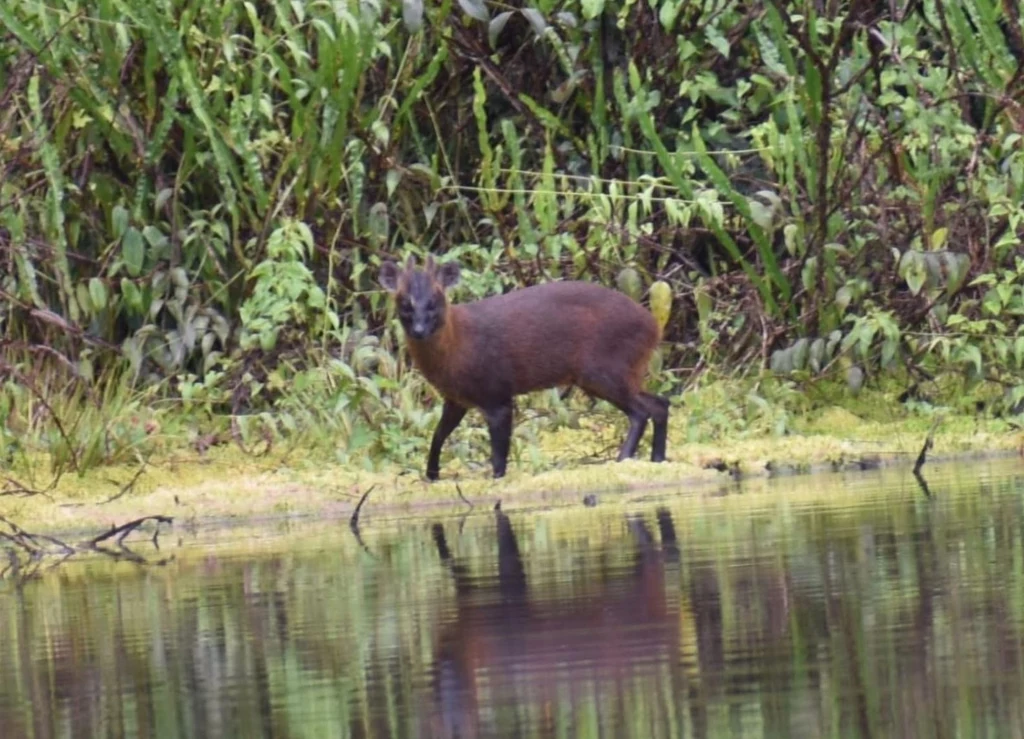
(838, 605)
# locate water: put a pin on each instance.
(838, 606)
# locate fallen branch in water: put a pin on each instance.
(126, 528)
(32, 543)
(353, 522)
(922, 457)
(28, 552)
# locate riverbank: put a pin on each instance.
(557, 467)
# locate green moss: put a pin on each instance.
(834, 420)
(716, 433)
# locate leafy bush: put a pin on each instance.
(203, 193)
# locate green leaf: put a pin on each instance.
(155, 237)
(412, 15)
(932, 268)
(161, 199)
(592, 8)
(992, 303)
(855, 378)
(119, 220)
(628, 281)
(812, 95)
(97, 294)
(392, 179)
(495, 27)
(13, 24)
(782, 361)
(131, 294)
(426, 172)
(133, 251)
(844, 296)
(889, 347)
(716, 39)
(957, 267)
(790, 232)
(834, 340)
(669, 12)
(536, 20)
(971, 354)
(475, 9)
(568, 20)
(704, 304)
(801, 349)
(816, 358)
(761, 214)
(82, 298)
(913, 269)
(770, 53)
(939, 238)
(808, 274)
(378, 222)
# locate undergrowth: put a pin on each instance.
(818, 202)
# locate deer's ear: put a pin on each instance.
(448, 274)
(389, 273)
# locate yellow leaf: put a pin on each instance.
(661, 302)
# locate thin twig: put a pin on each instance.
(130, 485)
(16, 488)
(464, 500)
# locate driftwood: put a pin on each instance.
(30, 554)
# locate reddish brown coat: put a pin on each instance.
(483, 354)
(550, 335)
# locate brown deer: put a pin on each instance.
(484, 353)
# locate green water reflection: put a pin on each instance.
(834, 607)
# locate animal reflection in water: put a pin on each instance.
(506, 648)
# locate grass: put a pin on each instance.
(712, 439)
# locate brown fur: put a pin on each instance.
(549, 335)
(484, 353)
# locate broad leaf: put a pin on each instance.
(475, 9)
(412, 15)
(494, 28)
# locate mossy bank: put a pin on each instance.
(550, 466)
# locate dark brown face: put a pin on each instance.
(421, 305)
(420, 294)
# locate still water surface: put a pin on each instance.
(837, 606)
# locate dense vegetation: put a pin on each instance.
(195, 196)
